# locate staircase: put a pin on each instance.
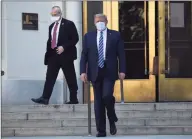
(66, 120)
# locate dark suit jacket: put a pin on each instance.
(114, 52)
(68, 38)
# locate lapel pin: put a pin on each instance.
(62, 24)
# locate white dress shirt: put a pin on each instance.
(57, 32)
(104, 41)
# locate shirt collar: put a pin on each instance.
(102, 31)
(59, 21)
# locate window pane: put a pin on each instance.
(178, 40)
(132, 16)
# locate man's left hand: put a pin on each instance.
(60, 50)
(121, 76)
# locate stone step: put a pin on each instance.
(180, 106)
(84, 122)
(83, 131)
(120, 114)
(72, 108)
(134, 119)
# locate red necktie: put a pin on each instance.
(53, 42)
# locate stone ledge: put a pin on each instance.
(7, 132)
(81, 131)
(83, 107)
(169, 122)
(121, 107)
(120, 114)
(130, 114)
(9, 116)
(174, 106)
(83, 122)
(38, 108)
(188, 130)
(65, 123)
(31, 123)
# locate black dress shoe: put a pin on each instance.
(113, 129)
(41, 100)
(101, 134)
(72, 102)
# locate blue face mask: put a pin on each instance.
(100, 26)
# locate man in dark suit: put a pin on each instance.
(102, 49)
(61, 53)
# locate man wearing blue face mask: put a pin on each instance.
(61, 53)
(102, 49)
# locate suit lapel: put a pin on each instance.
(51, 27)
(62, 25)
(108, 39)
(95, 40)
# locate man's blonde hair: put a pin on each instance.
(101, 15)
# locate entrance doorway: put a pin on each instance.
(133, 22)
(158, 47)
(175, 51)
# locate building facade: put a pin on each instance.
(23, 51)
(157, 39)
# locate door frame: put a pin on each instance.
(170, 89)
(110, 9)
(86, 86)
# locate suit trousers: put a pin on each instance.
(103, 99)
(56, 62)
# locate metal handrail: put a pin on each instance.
(65, 92)
(168, 37)
(122, 91)
(145, 35)
(89, 108)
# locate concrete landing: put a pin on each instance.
(114, 137)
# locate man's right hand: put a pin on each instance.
(84, 77)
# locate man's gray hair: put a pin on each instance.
(101, 15)
(58, 9)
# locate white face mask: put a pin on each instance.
(100, 26)
(55, 18)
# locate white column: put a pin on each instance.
(74, 13)
(0, 58)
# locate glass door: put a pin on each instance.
(136, 22)
(175, 50)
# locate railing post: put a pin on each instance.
(65, 95)
(89, 108)
(122, 92)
